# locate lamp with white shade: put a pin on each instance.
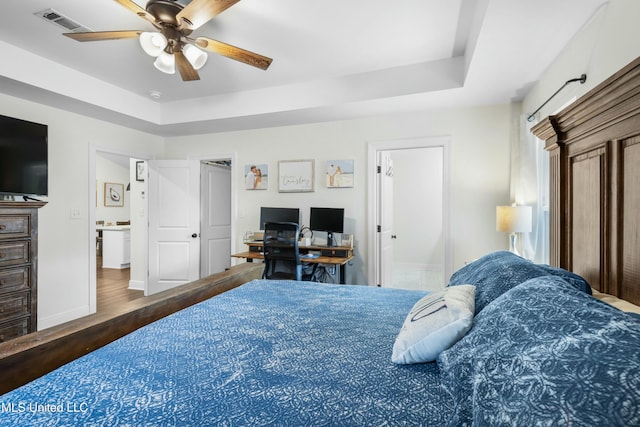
(513, 220)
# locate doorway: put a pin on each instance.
(215, 218)
(111, 221)
(223, 192)
(409, 245)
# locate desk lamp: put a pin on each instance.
(513, 220)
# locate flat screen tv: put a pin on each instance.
(23, 157)
(279, 215)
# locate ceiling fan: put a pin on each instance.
(171, 44)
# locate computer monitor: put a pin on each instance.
(279, 215)
(330, 220)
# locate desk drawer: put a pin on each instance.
(14, 329)
(15, 226)
(12, 253)
(14, 279)
(15, 305)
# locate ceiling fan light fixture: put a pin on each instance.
(195, 56)
(153, 43)
(166, 63)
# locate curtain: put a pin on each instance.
(530, 186)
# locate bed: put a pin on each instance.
(539, 350)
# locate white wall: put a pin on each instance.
(480, 170)
(65, 244)
(139, 229)
(602, 47)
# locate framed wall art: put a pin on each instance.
(339, 174)
(113, 194)
(295, 176)
(256, 177)
(140, 170)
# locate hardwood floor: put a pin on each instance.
(113, 287)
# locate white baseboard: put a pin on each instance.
(50, 321)
(136, 285)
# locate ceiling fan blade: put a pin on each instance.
(199, 12)
(187, 72)
(135, 8)
(103, 35)
(233, 52)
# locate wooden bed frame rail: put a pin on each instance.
(30, 356)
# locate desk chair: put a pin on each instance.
(281, 253)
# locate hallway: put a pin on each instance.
(113, 287)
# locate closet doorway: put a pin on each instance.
(409, 245)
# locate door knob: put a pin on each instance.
(194, 235)
(393, 236)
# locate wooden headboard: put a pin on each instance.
(594, 149)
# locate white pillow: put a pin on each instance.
(436, 322)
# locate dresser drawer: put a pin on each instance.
(14, 329)
(15, 226)
(12, 253)
(14, 279)
(15, 305)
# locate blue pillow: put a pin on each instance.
(497, 272)
(545, 353)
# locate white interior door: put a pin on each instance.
(419, 250)
(385, 220)
(174, 223)
(215, 229)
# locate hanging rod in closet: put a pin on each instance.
(581, 79)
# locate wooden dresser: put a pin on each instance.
(18, 268)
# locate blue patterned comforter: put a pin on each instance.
(497, 272)
(546, 354)
(541, 352)
(266, 353)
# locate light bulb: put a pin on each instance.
(166, 63)
(153, 43)
(195, 56)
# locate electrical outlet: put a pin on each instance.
(75, 213)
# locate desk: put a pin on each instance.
(329, 256)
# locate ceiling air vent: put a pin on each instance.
(61, 20)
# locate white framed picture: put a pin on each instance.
(113, 194)
(295, 176)
(339, 174)
(256, 177)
